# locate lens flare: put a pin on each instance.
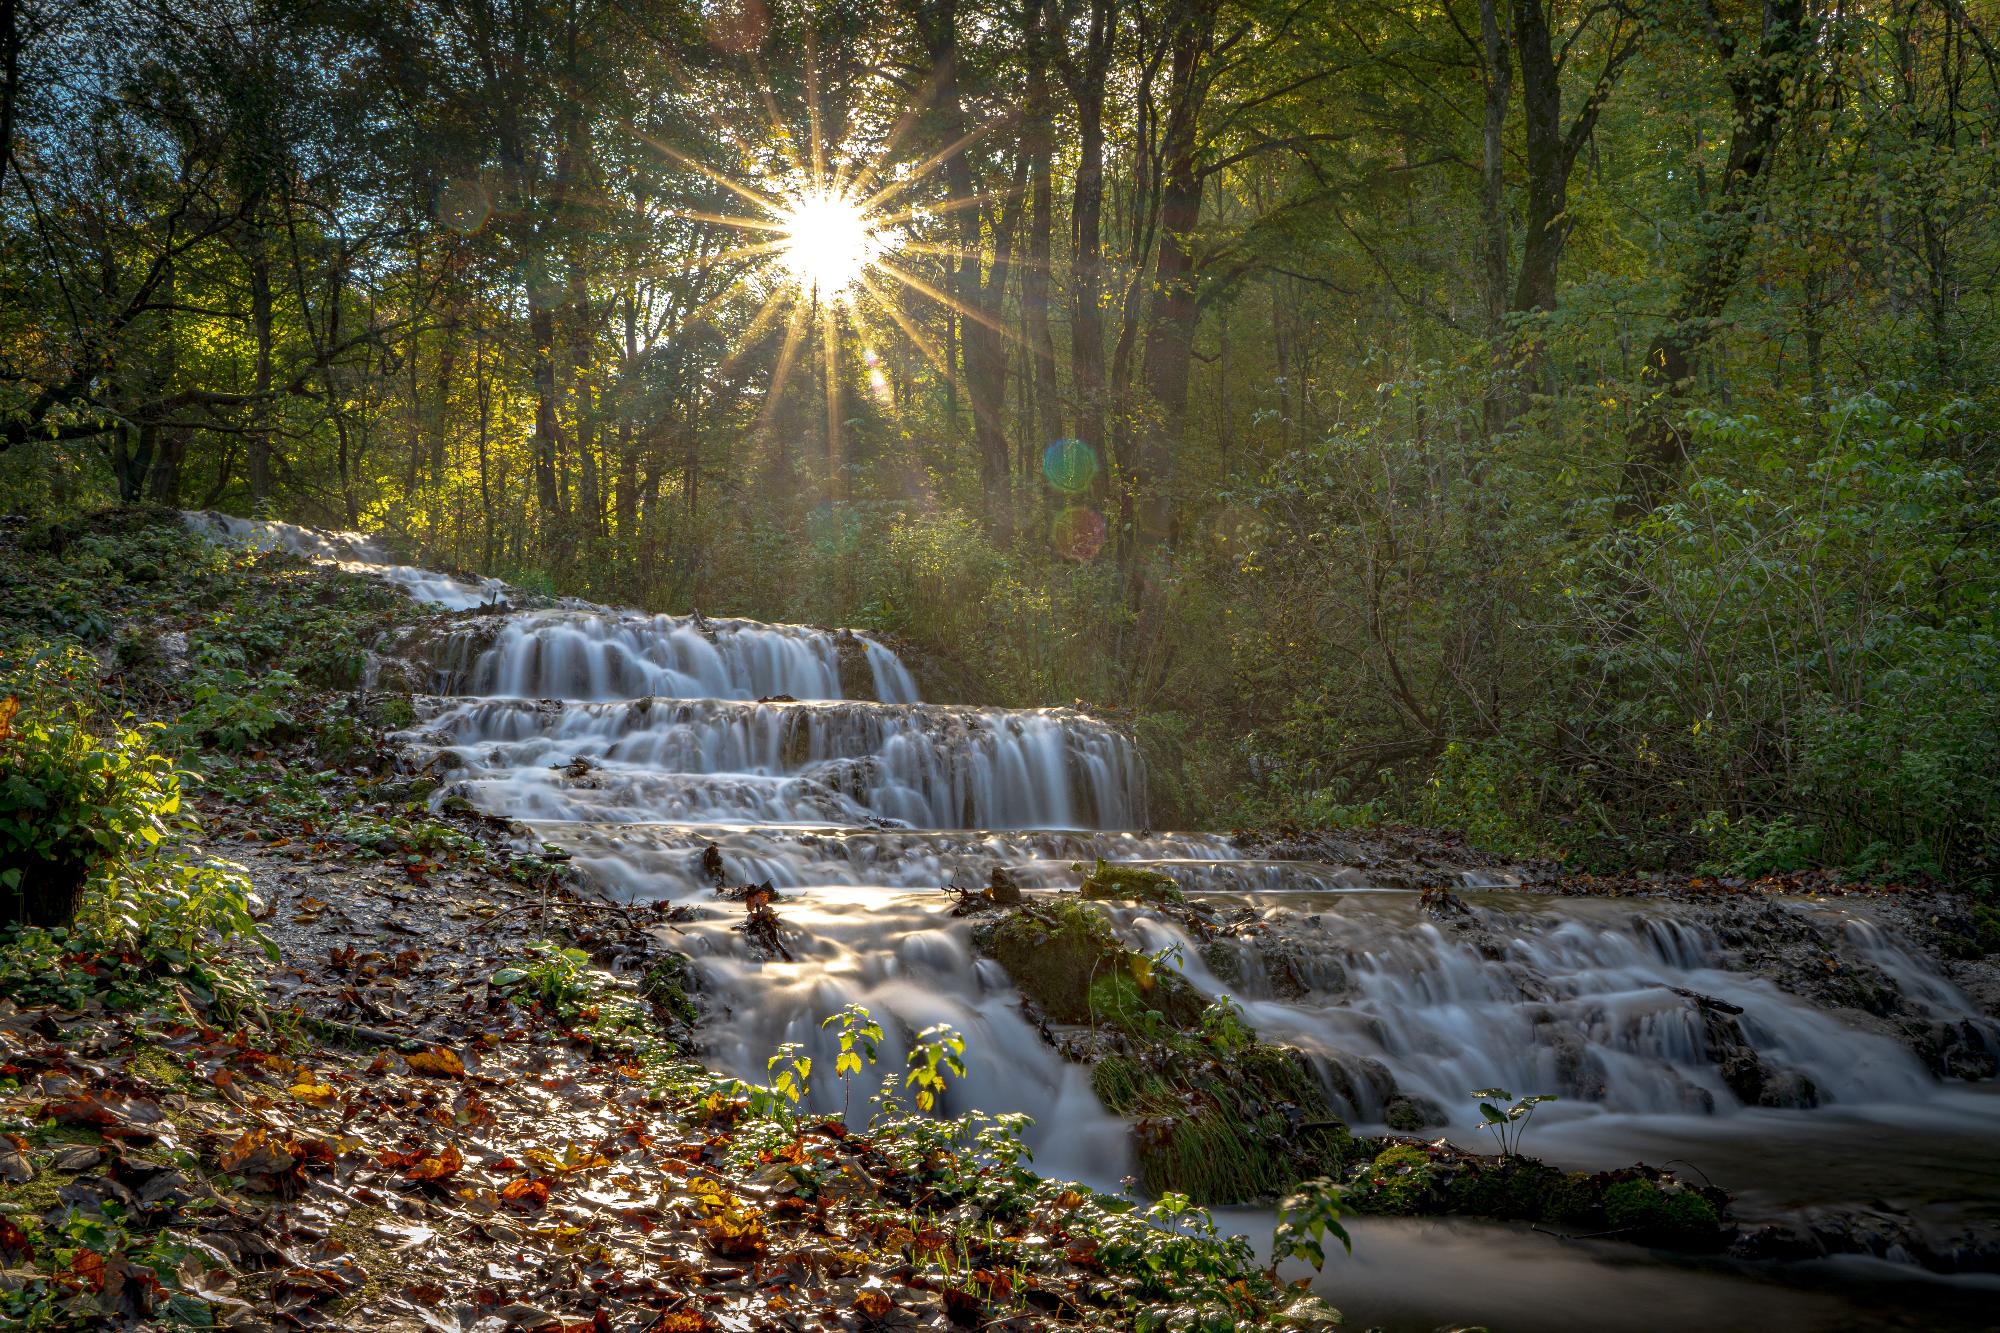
(829, 242)
(1069, 466)
(1078, 533)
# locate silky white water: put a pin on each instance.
(638, 743)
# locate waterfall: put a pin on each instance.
(648, 745)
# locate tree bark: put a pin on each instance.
(1170, 337)
(1085, 80)
(1759, 87)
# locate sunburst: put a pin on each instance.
(824, 249)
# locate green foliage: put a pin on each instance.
(71, 801)
(550, 975)
(1507, 1123)
(1306, 1217)
(937, 1051)
(229, 709)
(1668, 1213)
(94, 841)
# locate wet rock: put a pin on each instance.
(1001, 888)
(1362, 1083)
(1407, 1114)
(1110, 881)
(857, 678)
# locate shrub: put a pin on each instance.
(71, 802)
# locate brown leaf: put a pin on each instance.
(424, 1164)
(8, 707)
(873, 1302)
(256, 1154)
(14, 1242)
(438, 1062)
(525, 1195)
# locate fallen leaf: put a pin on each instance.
(426, 1165)
(438, 1062)
(256, 1154)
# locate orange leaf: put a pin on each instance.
(442, 1166)
(438, 1061)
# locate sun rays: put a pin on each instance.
(830, 240)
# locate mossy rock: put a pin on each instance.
(392, 712)
(1119, 883)
(1223, 1127)
(1223, 959)
(1130, 994)
(1401, 1181)
(1673, 1216)
(1523, 1189)
(670, 985)
(1054, 952)
(1407, 1114)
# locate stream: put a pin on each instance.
(805, 758)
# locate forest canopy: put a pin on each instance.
(1567, 419)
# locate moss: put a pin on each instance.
(1399, 1181)
(150, 1062)
(36, 1196)
(1223, 1126)
(1522, 1189)
(1223, 959)
(670, 985)
(1054, 951)
(1130, 884)
(393, 712)
(1986, 928)
(380, 1261)
(1407, 1115)
(1207, 1155)
(1665, 1216)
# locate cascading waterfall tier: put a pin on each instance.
(652, 747)
(733, 761)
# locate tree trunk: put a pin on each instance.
(1548, 167)
(1039, 134)
(1170, 339)
(984, 345)
(256, 254)
(1086, 80)
(1656, 446)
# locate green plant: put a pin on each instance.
(555, 977)
(937, 1051)
(71, 800)
(1508, 1123)
(1306, 1217)
(860, 1035)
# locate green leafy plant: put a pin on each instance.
(860, 1036)
(1306, 1217)
(550, 975)
(938, 1051)
(1508, 1123)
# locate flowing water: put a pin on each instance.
(647, 745)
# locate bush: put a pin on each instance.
(71, 802)
(102, 893)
